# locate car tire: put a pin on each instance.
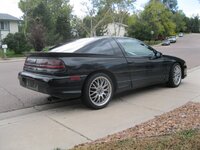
(98, 91)
(175, 75)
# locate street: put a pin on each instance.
(14, 97)
(187, 48)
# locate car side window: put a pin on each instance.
(99, 47)
(135, 48)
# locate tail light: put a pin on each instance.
(44, 64)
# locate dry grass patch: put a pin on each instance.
(178, 129)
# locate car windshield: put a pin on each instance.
(73, 46)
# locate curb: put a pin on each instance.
(38, 108)
(12, 60)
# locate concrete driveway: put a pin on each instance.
(67, 126)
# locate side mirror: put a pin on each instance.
(158, 55)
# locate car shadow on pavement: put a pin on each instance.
(77, 103)
(140, 91)
(128, 96)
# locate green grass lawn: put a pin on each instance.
(10, 54)
(185, 140)
(152, 42)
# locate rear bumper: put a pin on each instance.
(62, 87)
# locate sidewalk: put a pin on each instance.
(67, 126)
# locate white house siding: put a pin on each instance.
(14, 27)
(115, 29)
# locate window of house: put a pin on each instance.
(4, 25)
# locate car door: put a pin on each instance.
(145, 68)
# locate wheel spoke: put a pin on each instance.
(100, 91)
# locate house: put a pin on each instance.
(8, 24)
(116, 29)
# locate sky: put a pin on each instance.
(189, 7)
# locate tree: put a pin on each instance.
(26, 7)
(63, 26)
(155, 22)
(193, 24)
(139, 29)
(179, 20)
(101, 12)
(54, 16)
(171, 5)
(79, 30)
(37, 35)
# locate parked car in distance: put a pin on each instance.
(97, 68)
(172, 39)
(180, 35)
(165, 42)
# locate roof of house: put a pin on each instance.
(8, 17)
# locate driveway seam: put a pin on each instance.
(63, 125)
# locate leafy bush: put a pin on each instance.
(17, 42)
(152, 42)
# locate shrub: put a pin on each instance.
(17, 42)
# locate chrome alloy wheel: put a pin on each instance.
(177, 75)
(100, 91)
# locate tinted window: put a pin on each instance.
(117, 49)
(72, 47)
(87, 45)
(99, 47)
(134, 47)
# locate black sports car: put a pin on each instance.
(96, 68)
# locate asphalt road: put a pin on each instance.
(14, 97)
(187, 48)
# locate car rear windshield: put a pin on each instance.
(72, 47)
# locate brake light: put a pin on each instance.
(50, 63)
(46, 63)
